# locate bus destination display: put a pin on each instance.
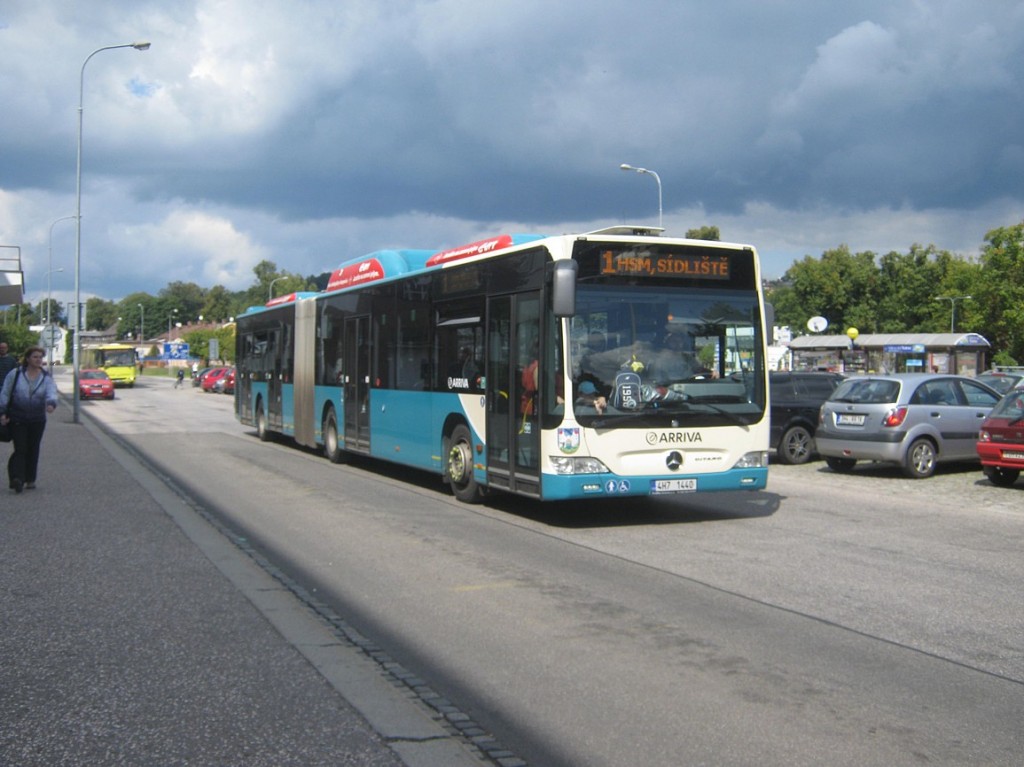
(650, 264)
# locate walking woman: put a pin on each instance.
(28, 394)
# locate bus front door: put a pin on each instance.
(356, 378)
(513, 433)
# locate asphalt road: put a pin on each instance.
(863, 619)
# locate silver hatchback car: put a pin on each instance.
(915, 420)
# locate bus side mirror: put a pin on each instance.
(563, 289)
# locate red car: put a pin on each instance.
(1001, 440)
(226, 383)
(95, 383)
(212, 376)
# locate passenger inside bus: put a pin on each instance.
(589, 400)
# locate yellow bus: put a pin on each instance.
(118, 360)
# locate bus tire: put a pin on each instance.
(458, 466)
(261, 423)
(332, 447)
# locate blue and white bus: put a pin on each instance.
(608, 364)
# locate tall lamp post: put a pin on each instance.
(270, 292)
(174, 313)
(952, 308)
(77, 361)
(657, 178)
(142, 324)
(49, 292)
(46, 323)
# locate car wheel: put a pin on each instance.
(920, 460)
(796, 445)
(459, 466)
(842, 465)
(332, 447)
(1001, 477)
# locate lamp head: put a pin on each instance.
(142, 46)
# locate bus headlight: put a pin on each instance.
(755, 460)
(577, 465)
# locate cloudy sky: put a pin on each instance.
(308, 132)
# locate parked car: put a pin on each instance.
(226, 383)
(211, 377)
(915, 420)
(1001, 440)
(1001, 380)
(796, 399)
(95, 383)
(197, 377)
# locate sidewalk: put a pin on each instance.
(133, 633)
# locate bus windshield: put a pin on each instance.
(117, 358)
(682, 353)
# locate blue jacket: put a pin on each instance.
(26, 401)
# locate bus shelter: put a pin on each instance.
(962, 353)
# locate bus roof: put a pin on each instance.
(388, 264)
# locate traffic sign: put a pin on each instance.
(51, 336)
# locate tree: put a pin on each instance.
(219, 305)
(18, 337)
(186, 297)
(138, 311)
(840, 286)
(704, 233)
(999, 293)
(100, 314)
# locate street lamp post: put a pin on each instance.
(46, 323)
(657, 178)
(77, 355)
(270, 292)
(49, 292)
(952, 308)
(173, 313)
(142, 324)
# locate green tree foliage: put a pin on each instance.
(99, 314)
(840, 286)
(219, 305)
(17, 336)
(998, 294)
(704, 233)
(910, 292)
(199, 342)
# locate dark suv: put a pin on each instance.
(796, 400)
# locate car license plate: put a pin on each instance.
(846, 419)
(1017, 455)
(673, 485)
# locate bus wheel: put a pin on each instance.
(332, 448)
(261, 424)
(459, 466)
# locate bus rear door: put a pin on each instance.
(356, 384)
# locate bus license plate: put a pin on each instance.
(1016, 455)
(673, 485)
(843, 419)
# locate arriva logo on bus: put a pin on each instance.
(673, 437)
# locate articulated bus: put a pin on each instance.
(608, 364)
(118, 360)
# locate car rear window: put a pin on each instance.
(816, 387)
(1010, 406)
(867, 391)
